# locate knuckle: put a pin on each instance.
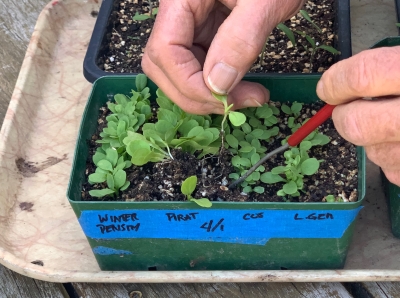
(353, 128)
(360, 77)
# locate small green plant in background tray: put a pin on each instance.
(313, 45)
(152, 13)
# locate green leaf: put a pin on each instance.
(266, 135)
(203, 202)
(305, 145)
(257, 132)
(120, 99)
(281, 193)
(234, 176)
(288, 32)
(310, 166)
(232, 141)
(188, 186)
(308, 18)
(145, 109)
(221, 98)
(259, 189)
(255, 176)
(163, 101)
(285, 108)
(330, 198)
(196, 131)
(278, 170)
(264, 112)
(254, 122)
(270, 178)
(238, 134)
(296, 107)
(97, 178)
(97, 157)
(100, 192)
(105, 165)
(246, 128)
(254, 158)
(256, 144)
(320, 139)
(237, 118)
(290, 187)
(110, 181)
(247, 189)
(187, 126)
(329, 49)
(290, 122)
(141, 81)
(119, 179)
(112, 156)
(236, 161)
(154, 11)
(167, 115)
(111, 118)
(140, 17)
(311, 41)
(163, 126)
(121, 128)
(245, 162)
(246, 149)
(125, 186)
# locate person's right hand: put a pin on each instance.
(198, 46)
(374, 124)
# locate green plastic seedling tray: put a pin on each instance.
(392, 191)
(227, 236)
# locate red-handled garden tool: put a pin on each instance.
(320, 117)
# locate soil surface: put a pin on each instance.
(128, 38)
(337, 174)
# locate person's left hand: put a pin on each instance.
(373, 124)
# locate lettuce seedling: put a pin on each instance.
(152, 13)
(187, 188)
(110, 169)
(298, 165)
(236, 118)
(143, 150)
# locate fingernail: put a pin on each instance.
(248, 103)
(320, 90)
(222, 77)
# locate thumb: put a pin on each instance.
(240, 39)
(371, 73)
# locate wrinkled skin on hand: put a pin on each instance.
(198, 46)
(374, 124)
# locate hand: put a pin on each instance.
(198, 46)
(373, 124)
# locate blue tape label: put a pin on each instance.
(232, 226)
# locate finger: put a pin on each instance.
(247, 94)
(365, 123)
(371, 73)
(392, 176)
(170, 49)
(240, 39)
(385, 155)
(188, 105)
